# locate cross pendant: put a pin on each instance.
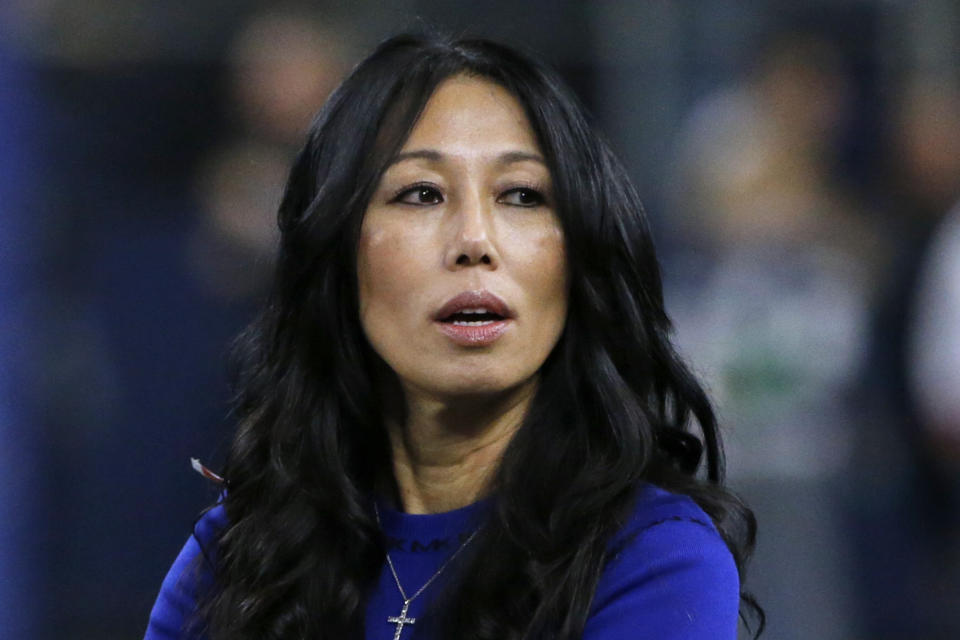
(401, 620)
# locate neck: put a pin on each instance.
(447, 450)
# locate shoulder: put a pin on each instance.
(655, 506)
(209, 525)
(190, 573)
(670, 575)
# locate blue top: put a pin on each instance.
(674, 579)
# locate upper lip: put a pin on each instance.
(480, 299)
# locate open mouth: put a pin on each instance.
(472, 318)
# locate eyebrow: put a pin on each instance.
(509, 157)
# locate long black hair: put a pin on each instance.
(615, 406)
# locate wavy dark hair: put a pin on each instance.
(615, 406)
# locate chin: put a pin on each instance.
(472, 389)
(465, 385)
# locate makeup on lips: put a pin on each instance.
(474, 318)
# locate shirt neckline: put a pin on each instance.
(418, 525)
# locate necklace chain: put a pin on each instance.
(393, 569)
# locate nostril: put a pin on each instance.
(464, 259)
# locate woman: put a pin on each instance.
(460, 414)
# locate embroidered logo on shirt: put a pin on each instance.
(404, 545)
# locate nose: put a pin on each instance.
(471, 240)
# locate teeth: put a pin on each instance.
(479, 310)
(471, 323)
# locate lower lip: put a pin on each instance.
(474, 335)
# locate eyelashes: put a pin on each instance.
(522, 197)
(420, 194)
(424, 194)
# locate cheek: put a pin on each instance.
(377, 262)
(558, 251)
(390, 279)
(548, 266)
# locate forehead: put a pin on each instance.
(469, 115)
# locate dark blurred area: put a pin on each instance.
(801, 166)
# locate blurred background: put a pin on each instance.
(800, 162)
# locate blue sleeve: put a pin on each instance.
(190, 573)
(676, 580)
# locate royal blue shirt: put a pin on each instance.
(674, 579)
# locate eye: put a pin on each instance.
(522, 197)
(420, 195)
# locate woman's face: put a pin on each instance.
(461, 263)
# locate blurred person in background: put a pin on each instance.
(935, 364)
(523, 463)
(150, 260)
(282, 64)
(903, 505)
(773, 308)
